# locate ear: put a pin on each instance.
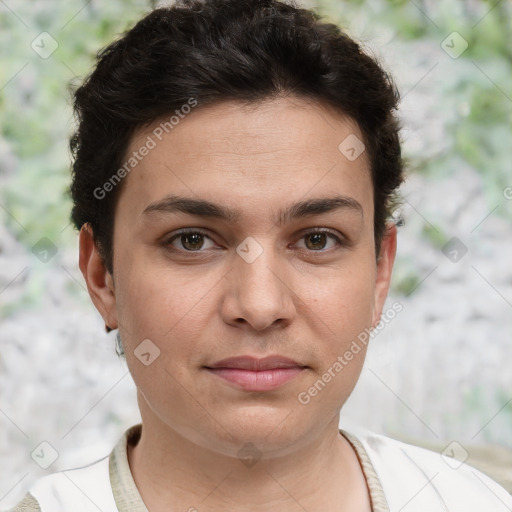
(100, 284)
(385, 263)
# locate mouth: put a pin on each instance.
(253, 374)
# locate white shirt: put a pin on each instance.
(401, 478)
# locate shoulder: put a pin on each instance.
(417, 479)
(89, 488)
(82, 489)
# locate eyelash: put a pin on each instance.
(168, 242)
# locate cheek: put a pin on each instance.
(172, 309)
(344, 301)
(339, 314)
(160, 315)
(155, 300)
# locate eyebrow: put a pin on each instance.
(301, 209)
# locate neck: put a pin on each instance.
(174, 473)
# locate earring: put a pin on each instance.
(119, 345)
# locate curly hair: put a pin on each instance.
(216, 51)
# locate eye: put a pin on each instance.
(191, 241)
(316, 240)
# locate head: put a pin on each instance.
(235, 166)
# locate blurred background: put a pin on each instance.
(439, 372)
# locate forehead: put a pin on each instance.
(258, 156)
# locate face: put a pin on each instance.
(255, 275)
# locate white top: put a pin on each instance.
(401, 478)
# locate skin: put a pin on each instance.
(198, 309)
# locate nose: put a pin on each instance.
(257, 292)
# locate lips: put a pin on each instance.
(252, 374)
(255, 364)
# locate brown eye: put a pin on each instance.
(316, 241)
(190, 241)
(193, 241)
